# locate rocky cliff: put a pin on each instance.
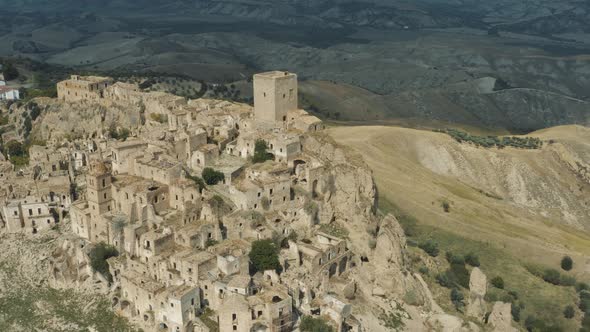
(384, 283)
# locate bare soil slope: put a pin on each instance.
(531, 202)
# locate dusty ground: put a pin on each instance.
(28, 303)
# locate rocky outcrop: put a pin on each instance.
(477, 290)
(501, 318)
(346, 181)
(448, 323)
(349, 199)
(59, 119)
(69, 264)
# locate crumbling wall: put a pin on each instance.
(69, 266)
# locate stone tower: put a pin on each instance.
(99, 196)
(275, 93)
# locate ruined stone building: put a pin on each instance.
(183, 244)
(80, 88)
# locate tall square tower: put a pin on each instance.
(275, 93)
(98, 189)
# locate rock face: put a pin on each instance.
(347, 185)
(448, 323)
(389, 257)
(501, 318)
(59, 119)
(477, 291)
(69, 264)
(349, 200)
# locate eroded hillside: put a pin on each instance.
(530, 201)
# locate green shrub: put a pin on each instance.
(446, 206)
(552, 276)
(19, 161)
(260, 153)
(584, 301)
(585, 324)
(514, 294)
(424, 270)
(119, 134)
(211, 176)
(497, 282)
(535, 324)
(430, 247)
(569, 312)
(198, 181)
(581, 286)
(50, 92)
(98, 259)
(15, 148)
(210, 243)
(10, 72)
(567, 263)
(459, 275)
(515, 312)
(494, 141)
(443, 280)
(458, 299)
(472, 259)
(264, 256)
(567, 281)
(456, 276)
(454, 259)
(311, 324)
(161, 118)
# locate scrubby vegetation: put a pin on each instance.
(16, 152)
(497, 282)
(161, 118)
(535, 303)
(197, 180)
(335, 230)
(494, 141)
(312, 324)
(472, 259)
(98, 259)
(458, 299)
(210, 243)
(446, 206)
(260, 153)
(569, 312)
(10, 71)
(430, 247)
(264, 256)
(211, 176)
(30, 93)
(119, 133)
(567, 263)
(209, 318)
(456, 276)
(552, 276)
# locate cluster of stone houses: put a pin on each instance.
(184, 249)
(7, 92)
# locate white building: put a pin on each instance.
(8, 93)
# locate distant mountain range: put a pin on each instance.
(543, 17)
(421, 59)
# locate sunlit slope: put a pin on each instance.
(532, 202)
